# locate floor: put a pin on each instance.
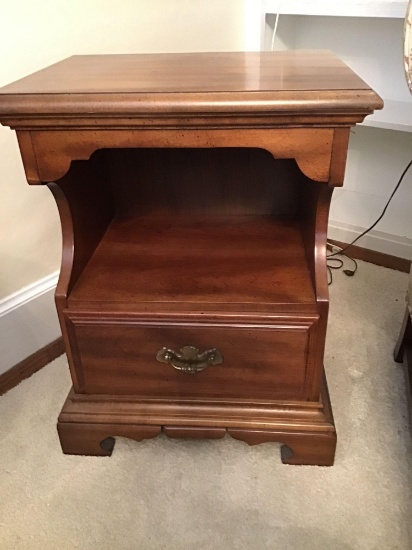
(170, 494)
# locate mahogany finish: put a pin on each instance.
(194, 192)
(149, 260)
(191, 72)
(260, 361)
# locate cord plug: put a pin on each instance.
(349, 272)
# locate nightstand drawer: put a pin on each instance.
(201, 361)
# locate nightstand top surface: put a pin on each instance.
(191, 73)
(298, 88)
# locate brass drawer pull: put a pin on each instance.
(189, 359)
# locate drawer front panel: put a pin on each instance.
(259, 362)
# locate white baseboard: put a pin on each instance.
(28, 321)
(394, 245)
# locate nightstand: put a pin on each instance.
(193, 191)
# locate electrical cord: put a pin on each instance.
(272, 44)
(330, 266)
(342, 251)
(340, 264)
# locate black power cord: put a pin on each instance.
(339, 264)
(342, 251)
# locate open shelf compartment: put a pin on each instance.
(240, 263)
(201, 230)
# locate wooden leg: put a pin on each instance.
(301, 448)
(99, 439)
(312, 447)
(405, 337)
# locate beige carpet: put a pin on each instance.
(169, 494)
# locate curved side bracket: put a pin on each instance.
(67, 241)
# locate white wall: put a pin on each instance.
(376, 160)
(33, 35)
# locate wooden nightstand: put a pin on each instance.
(193, 191)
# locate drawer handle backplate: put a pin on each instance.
(189, 359)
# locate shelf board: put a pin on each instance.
(396, 115)
(348, 8)
(240, 264)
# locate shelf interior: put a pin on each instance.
(197, 230)
(250, 263)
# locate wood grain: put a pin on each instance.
(305, 428)
(187, 72)
(86, 207)
(86, 90)
(251, 262)
(207, 182)
(54, 151)
(260, 362)
(184, 432)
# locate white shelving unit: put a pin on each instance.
(346, 8)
